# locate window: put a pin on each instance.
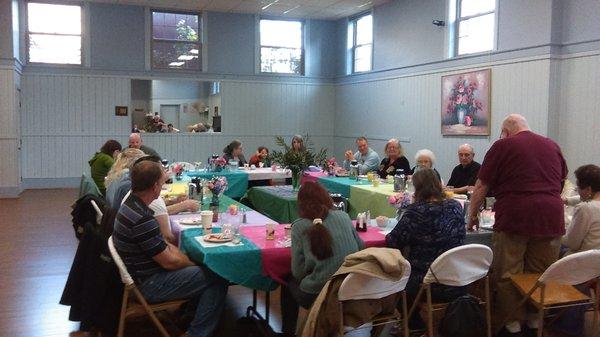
(362, 43)
(176, 41)
(54, 33)
(281, 47)
(475, 26)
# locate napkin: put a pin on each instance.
(205, 244)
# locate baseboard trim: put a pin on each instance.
(10, 192)
(42, 183)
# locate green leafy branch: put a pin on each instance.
(298, 161)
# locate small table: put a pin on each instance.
(375, 199)
(277, 202)
(266, 173)
(237, 181)
(341, 185)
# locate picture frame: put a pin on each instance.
(121, 110)
(466, 103)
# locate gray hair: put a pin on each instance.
(468, 146)
(427, 153)
(393, 140)
(515, 123)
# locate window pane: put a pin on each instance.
(362, 58)
(176, 55)
(47, 18)
(281, 60)
(364, 30)
(472, 7)
(476, 34)
(175, 26)
(275, 33)
(55, 49)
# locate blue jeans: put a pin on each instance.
(201, 286)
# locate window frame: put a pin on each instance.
(302, 48)
(458, 20)
(82, 18)
(354, 22)
(200, 41)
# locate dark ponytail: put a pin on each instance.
(228, 150)
(314, 204)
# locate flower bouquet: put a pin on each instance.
(462, 101)
(297, 161)
(330, 166)
(216, 185)
(217, 164)
(177, 169)
(400, 201)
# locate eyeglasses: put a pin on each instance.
(147, 158)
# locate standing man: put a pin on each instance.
(160, 270)
(526, 172)
(368, 160)
(136, 142)
(464, 175)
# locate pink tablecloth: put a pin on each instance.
(312, 176)
(277, 260)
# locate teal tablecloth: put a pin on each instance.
(341, 185)
(240, 264)
(237, 180)
(276, 202)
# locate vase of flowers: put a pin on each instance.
(400, 201)
(218, 164)
(217, 185)
(297, 161)
(330, 167)
(177, 169)
(463, 103)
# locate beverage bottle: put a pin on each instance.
(399, 181)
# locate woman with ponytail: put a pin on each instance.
(321, 239)
(234, 151)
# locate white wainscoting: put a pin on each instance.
(579, 113)
(408, 108)
(10, 171)
(66, 118)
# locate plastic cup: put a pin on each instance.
(270, 231)
(288, 232)
(207, 217)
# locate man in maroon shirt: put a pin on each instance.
(525, 172)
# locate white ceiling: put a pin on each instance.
(314, 9)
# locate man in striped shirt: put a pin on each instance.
(161, 271)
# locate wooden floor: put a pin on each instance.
(36, 253)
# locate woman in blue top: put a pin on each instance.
(429, 227)
(321, 240)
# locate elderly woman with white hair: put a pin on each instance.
(426, 159)
(394, 160)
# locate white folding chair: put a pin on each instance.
(130, 308)
(457, 267)
(359, 286)
(98, 211)
(554, 288)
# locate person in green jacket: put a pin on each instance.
(102, 161)
(321, 239)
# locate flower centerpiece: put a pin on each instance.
(462, 101)
(330, 166)
(177, 169)
(217, 185)
(400, 201)
(217, 164)
(297, 161)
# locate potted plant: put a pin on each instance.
(297, 161)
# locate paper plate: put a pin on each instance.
(191, 221)
(216, 238)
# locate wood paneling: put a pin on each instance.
(10, 171)
(408, 108)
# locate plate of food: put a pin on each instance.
(341, 173)
(216, 238)
(191, 221)
(460, 196)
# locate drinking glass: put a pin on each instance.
(237, 237)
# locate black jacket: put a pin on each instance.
(84, 212)
(94, 289)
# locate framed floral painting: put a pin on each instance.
(466, 103)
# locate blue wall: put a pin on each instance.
(230, 43)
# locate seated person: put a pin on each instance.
(429, 227)
(394, 160)
(102, 161)
(259, 157)
(158, 125)
(171, 128)
(136, 142)
(234, 151)
(464, 175)
(425, 160)
(368, 160)
(135, 129)
(584, 232)
(321, 240)
(117, 180)
(160, 270)
(198, 127)
(298, 143)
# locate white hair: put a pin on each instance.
(468, 146)
(427, 153)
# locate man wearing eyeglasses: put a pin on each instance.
(161, 271)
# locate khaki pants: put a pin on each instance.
(517, 254)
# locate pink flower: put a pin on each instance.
(392, 200)
(468, 120)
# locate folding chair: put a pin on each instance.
(359, 286)
(130, 309)
(98, 212)
(457, 267)
(554, 288)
